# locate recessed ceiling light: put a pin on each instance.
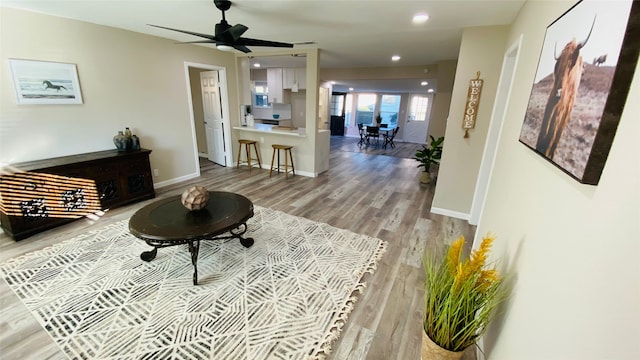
(333, 82)
(424, 83)
(256, 65)
(395, 58)
(420, 18)
(350, 89)
(430, 90)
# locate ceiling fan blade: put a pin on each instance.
(258, 42)
(242, 48)
(198, 42)
(206, 36)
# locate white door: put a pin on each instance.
(418, 120)
(213, 119)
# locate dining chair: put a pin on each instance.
(388, 139)
(373, 132)
(362, 135)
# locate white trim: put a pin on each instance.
(450, 213)
(307, 174)
(162, 184)
(503, 96)
(297, 172)
(224, 97)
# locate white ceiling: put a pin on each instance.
(349, 33)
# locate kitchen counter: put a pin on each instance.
(272, 129)
(272, 119)
(311, 156)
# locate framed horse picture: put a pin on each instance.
(585, 69)
(44, 82)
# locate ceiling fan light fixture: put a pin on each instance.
(420, 18)
(224, 47)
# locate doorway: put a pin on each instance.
(418, 119)
(209, 110)
(338, 102)
(213, 118)
(495, 129)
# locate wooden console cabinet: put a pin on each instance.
(120, 178)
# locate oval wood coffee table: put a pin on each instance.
(167, 222)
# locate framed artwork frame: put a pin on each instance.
(585, 69)
(45, 82)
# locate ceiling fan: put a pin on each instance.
(228, 37)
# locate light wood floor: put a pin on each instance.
(364, 191)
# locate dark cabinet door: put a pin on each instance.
(120, 178)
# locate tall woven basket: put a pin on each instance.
(433, 351)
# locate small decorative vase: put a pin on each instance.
(120, 141)
(195, 198)
(433, 351)
(128, 141)
(135, 142)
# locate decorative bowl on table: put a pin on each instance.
(195, 198)
(276, 116)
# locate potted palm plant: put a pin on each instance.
(461, 297)
(378, 120)
(429, 155)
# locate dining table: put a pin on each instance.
(385, 132)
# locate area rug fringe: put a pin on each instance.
(75, 288)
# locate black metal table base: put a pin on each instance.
(194, 247)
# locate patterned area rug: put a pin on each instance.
(286, 297)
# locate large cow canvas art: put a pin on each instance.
(585, 69)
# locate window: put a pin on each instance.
(260, 95)
(389, 107)
(262, 100)
(348, 106)
(365, 106)
(336, 104)
(419, 106)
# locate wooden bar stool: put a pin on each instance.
(287, 150)
(247, 147)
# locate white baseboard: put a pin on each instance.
(266, 167)
(450, 213)
(162, 184)
(174, 181)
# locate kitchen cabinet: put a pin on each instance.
(292, 75)
(274, 83)
(119, 178)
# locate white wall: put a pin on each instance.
(482, 49)
(442, 98)
(572, 248)
(127, 79)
